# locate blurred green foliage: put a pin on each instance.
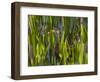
(57, 40)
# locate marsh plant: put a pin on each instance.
(57, 40)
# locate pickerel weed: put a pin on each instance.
(57, 40)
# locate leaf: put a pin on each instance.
(86, 58)
(81, 53)
(60, 55)
(32, 62)
(83, 33)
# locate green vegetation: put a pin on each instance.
(57, 40)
